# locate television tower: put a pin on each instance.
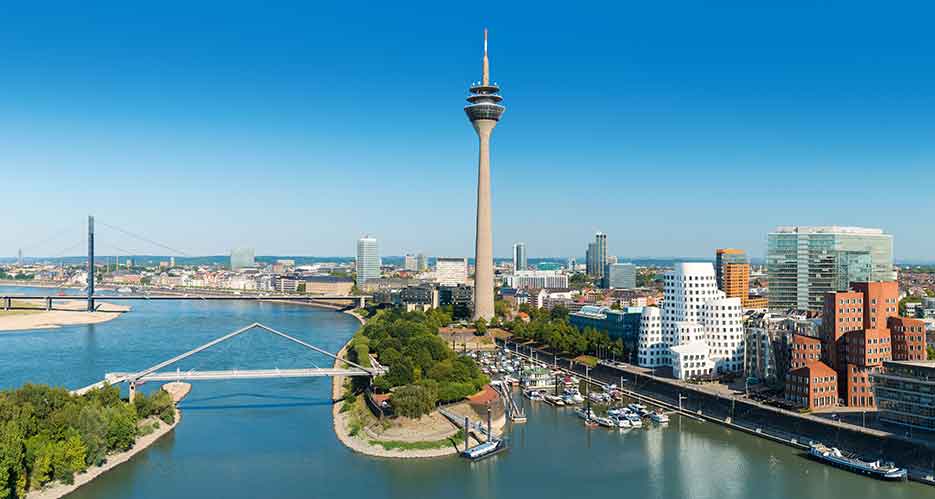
(484, 111)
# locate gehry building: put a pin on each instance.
(698, 331)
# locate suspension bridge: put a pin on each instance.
(157, 373)
(7, 302)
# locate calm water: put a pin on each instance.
(274, 439)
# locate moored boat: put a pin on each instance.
(876, 469)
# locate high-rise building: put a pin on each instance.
(19, 257)
(172, 261)
(519, 257)
(806, 263)
(698, 330)
(620, 276)
(451, 271)
(597, 255)
(411, 262)
(484, 111)
(726, 256)
(368, 260)
(422, 263)
(242, 258)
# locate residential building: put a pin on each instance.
(422, 263)
(547, 279)
(620, 276)
(411, 262)
(806, 263)
(519, 257)
(241, 258)
(368, 260)
(812, 386)
(451, 271)
(905, 393)
(908, 338)
(698, 330)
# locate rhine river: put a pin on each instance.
(274, 438)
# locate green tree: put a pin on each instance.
(412, 401)
(480, 327)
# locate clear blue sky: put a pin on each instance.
(674, 127)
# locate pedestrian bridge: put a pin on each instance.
(156, 373)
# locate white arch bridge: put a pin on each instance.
(155, 372)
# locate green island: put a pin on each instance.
(49, 435)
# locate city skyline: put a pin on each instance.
(784, 119)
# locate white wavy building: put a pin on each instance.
(698, 331)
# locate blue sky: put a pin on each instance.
(295, 128)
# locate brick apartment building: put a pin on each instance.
(813, 386)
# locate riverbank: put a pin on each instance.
(56, 490)
(66, 313)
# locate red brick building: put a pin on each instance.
(804, 349)
(908, 338)
(858, 336)
(813, 386)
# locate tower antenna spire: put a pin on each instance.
(486, 79)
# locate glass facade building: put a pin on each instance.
(620, 276)
(805, 263)
(368, 260)
(905, 393)
(623, 324)
(519, 257)
(242, 258)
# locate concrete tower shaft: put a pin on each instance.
(484, 111)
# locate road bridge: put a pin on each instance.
(7, 301)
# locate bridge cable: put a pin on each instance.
(143, 238)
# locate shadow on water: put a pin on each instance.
(296, 402)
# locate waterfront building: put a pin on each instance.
(805, 263)
(620, 276)
(423, 297)
(368, 260)
(484, 110)
(544, 279)
(411, 262)
(698, 330)
(519, 257)
(240, 258)
(328, 285)
(905, 393)
(812, 386)
(623, 324)
(451, 271)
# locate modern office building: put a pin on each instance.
(519, 257)
(422, 263)
(698, 331)
(484, 111)
(596, 255)
(242, 258)
(805, 263)
(451, 271)
(623, 324)
(905, 393)
(723, 257)
(368, 260)
(620, 276)
(538, 279)
(411, 262)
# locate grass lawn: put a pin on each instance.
(437, 444)
(588, 360)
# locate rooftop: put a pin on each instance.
(828, 229)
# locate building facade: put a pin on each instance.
(540, 279)
(620, 276)
(596, 257)
(812, 387)
(698, 331)
(905, 393)
(728, 256)
(623, 324)
(519, 257)
(451, 271)
(242, 258)
(806, 263)
(368, 260)
(410, 262)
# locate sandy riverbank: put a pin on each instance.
(65, 313)
(430, 428)
(57, 490)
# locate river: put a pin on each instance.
(273, 438)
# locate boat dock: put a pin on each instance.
(513, 410)
(490, 445)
